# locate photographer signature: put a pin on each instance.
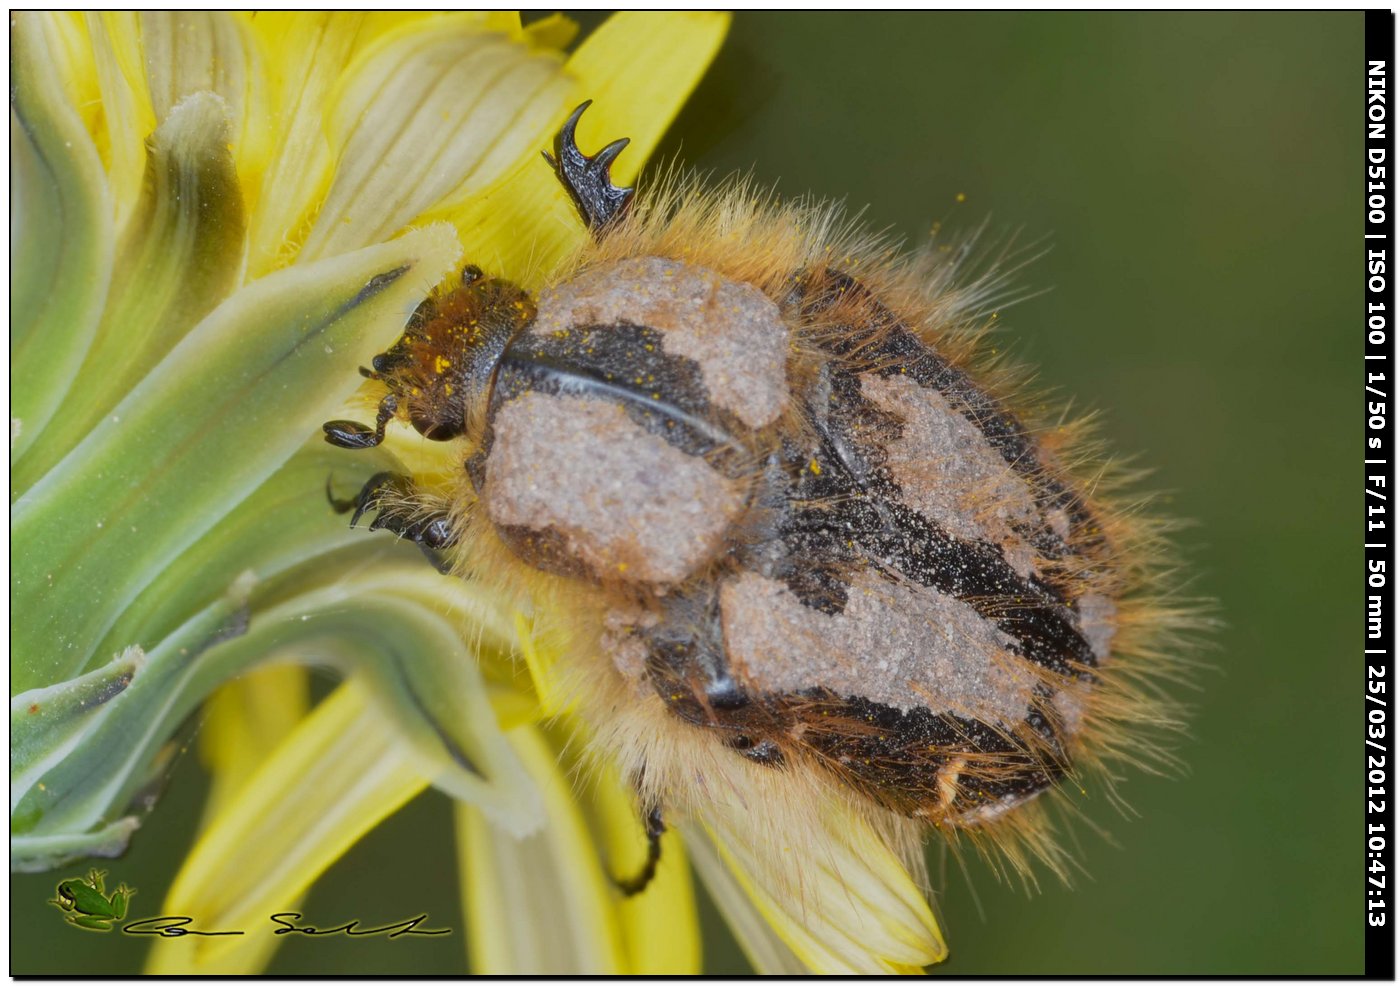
(87, 904)
(178, 926)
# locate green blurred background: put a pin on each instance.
(1198, 176)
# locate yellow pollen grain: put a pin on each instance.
(815, 467)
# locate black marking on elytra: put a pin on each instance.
(784, 543)
(815, 571)
(885, 345)
(1028, 610)
(848, 512)
(818, 553)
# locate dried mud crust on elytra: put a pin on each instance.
(789, 514)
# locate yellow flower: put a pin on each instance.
(219, 218)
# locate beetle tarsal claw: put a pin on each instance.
(390, 495)
(587, 179)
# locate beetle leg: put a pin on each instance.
(353, 435)
(656, 828)
(586, 179)
(432, 532)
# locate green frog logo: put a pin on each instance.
(88, 904)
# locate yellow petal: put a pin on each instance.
(766, 952)
(513, 699)
(541, 654)
(244, 722)
(75, 72)
(127, 116)
(306, 53)
(204, 51)
(554, 31)
(424, 115)
(336, 777)
(539, 904)
(830, 885)
(638, 68)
